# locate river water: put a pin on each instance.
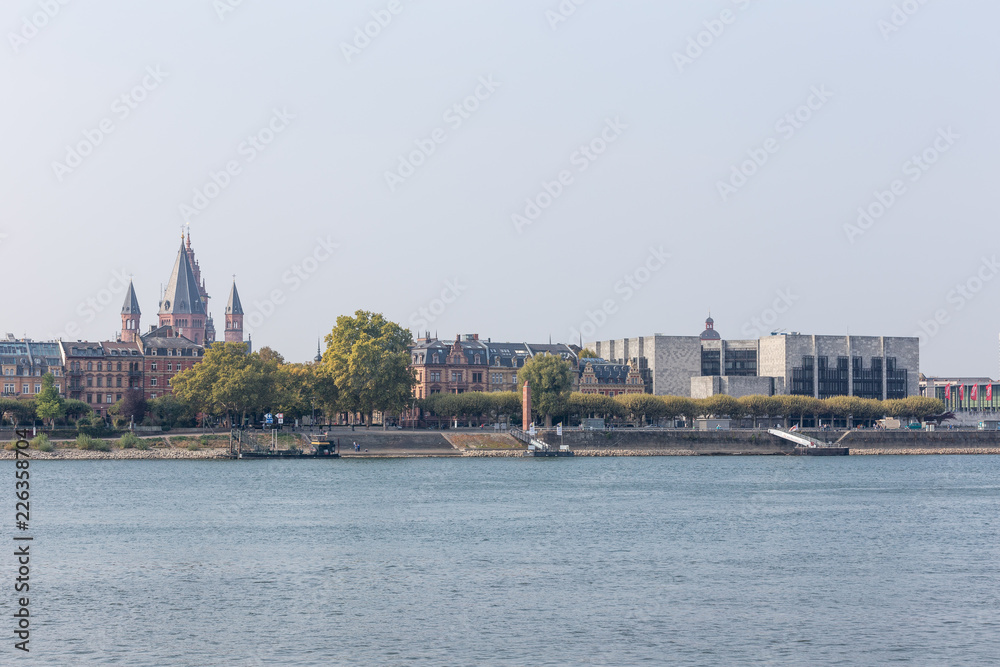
(610, 561)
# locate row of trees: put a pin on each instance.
(364, 370)
(550, 380)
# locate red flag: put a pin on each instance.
(961, 392)
(947, 392)
(974, 392)
(989, 393)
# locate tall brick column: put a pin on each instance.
(526, 407)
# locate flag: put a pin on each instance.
(947, 392)
(989, 393)
(961, 392)
(974, 392)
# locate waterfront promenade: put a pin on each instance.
(376, 443)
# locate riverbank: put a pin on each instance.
(625, 442)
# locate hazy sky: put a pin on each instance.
(622, 122)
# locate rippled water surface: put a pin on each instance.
(681, 560)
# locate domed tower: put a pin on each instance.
(710, 333)
(130, 316)
(234, 317)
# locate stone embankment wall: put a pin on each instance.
(120, 454)
(681, 442)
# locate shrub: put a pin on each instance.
(128, 441)
(193, 447)
(40, 441)
(142, 445)
(85, 441)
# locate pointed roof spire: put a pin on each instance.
(319, 355)
(131, 305)
(182, 295)
(233, 306)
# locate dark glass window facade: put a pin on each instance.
(834, 381)
(741, 363)
(711, 362)
(868, 381)
(802, 377)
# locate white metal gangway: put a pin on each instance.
(798, 438)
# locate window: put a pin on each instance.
(108, 399)
(8, 389)
(38, 388)
(456, 376)
(38, 372)
(118, 381)
(153, 395)
(710, 362)
(99, 366)
(100, 381)
(477, 377)
(97, 398)
(58, 387)
(152, 382)
(90, 365)
(119, 365)
(802, 377)
(119, 397)
(170, 366)
(435, 376)
(24, 389)
(741, 363)
(153, 366)
(478, 359)
(90, 381)
(90, 398)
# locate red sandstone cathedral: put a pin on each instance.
(184, 307)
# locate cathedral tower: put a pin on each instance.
(182, 306)
(130, 316)
(234, 317)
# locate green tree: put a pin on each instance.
(16, 411)
(229, 382)
(132, 408)
(721, 405)
(550, 379)
(921, 407)
(587, 353)
(48, 403)
(75, 409)
(268, 354)
(170, 411)
(368, 358)
(642, 407)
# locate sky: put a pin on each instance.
(521, 170)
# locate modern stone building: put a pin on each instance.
(820, 366)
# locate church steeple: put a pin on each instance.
(130, 315)
(234, 316)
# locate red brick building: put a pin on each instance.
(164, 355)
